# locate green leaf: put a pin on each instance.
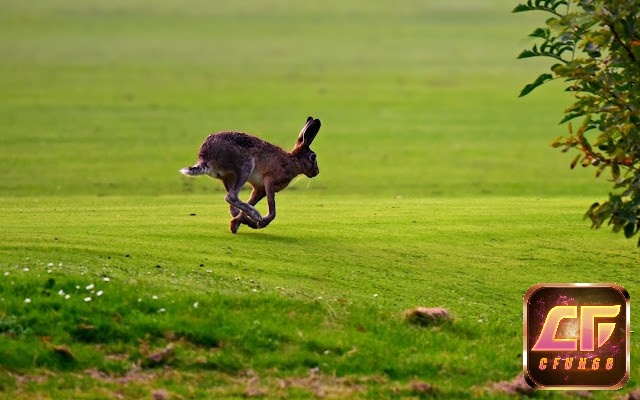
(560, 3)
(629, 230)
(527, 54)
(590, 214)
(615, 171)
(541, 5)
(541, 33)
(570, 116)
(541, 79)
(522, 7)
(629, 26)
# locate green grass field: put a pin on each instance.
(438, 187)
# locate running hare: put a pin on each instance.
(237, 158)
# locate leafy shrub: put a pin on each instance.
(595, 45)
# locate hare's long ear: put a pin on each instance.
(308, 132)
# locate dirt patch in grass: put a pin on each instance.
(136, 375)
(315, 383)
(633, 395)
(165, 383)
(516, 386)
(519, 386)
(421, 388)
(22, 380)
(324, 385)
(427, 316)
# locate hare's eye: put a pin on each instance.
(312, 157)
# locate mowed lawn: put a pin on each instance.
(119, 277)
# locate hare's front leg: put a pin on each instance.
(271, 201)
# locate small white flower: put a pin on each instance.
(375, 295)
(50, 265)
(60, 265)
(139, 299)
(77, 287)
(67, 296)
(326, 352)
(6, 273)
(90, 286)
(196, 304)
(106, 279)
(87, 299)
(27, 300)
(99, 293)
(154, 297)
(49, 271)
(61, 292)
(254, 290)
(161, 310)
(25, 269)
(319, 298)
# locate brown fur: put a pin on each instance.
(237, 158)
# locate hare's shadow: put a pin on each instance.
(270, 237)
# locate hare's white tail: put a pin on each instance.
(196, 170)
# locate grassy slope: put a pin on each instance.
(313, 305)
(437, 188)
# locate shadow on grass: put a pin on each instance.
(270, 237)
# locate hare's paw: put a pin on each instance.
(254, 215)
(234, 225)
(264, 222)
(241, 219)
(238, 220)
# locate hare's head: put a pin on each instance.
(301, 150)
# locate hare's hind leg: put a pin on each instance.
(228, 184)
(241, 218)
(242, 174)
(256, 195)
